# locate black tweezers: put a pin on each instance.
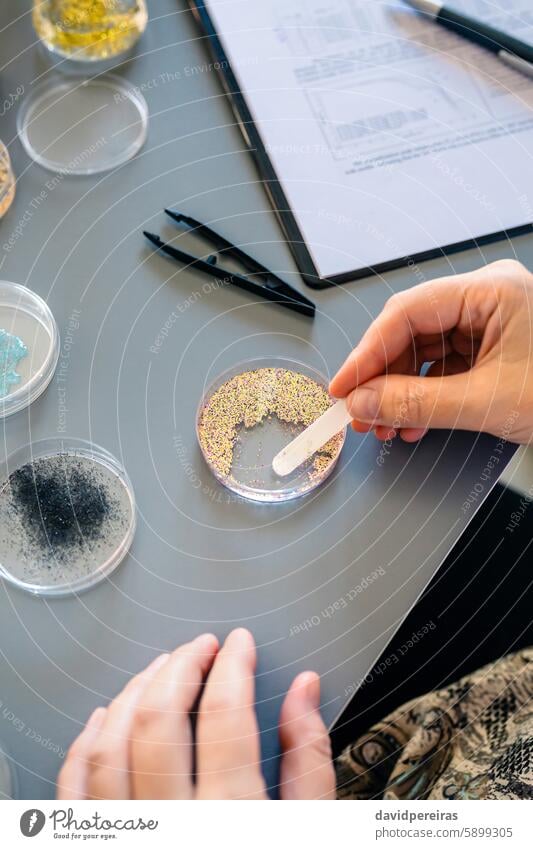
(272, 288)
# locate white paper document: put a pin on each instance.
(389, 135)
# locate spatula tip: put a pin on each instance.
(279, 465)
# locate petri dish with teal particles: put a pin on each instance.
(67, 516)
(252, 411)
(29, 347)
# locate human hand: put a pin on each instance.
(476, 329)
(141, 745)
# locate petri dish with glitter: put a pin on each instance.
(29, 347)
(67, 516)
(83, 126)
(253, 410)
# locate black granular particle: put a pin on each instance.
(62, 504)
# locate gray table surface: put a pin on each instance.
(201, 559)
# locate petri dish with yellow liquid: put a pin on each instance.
(89, 31)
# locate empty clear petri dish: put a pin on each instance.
(8, 782)
(29, 347)
(83, 126)
(249, 413)
(67, 516)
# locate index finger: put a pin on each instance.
(108, 761)
(72, 779)
(161, 739)
(433, 307)
(227, 736)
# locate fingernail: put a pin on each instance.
(207, 642)
(96, 717)
(311, 686)
(364, 404)
(242, 637)
(240, 642)
(159, 661)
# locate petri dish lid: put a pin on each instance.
(8, 778)
(249, 413)
(67, 516)
(83, 126)
(29, 347)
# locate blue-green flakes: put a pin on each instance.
(12, 351)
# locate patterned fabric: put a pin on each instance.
(472, 740)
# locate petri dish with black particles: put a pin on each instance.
(83, 126)
(29, 347)
(67, 516)
(252, 411)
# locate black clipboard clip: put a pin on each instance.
(269, 286)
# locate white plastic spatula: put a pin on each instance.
(311, 439)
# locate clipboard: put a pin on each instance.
(274, 187)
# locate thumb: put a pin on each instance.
(399, 401)
(306, 766)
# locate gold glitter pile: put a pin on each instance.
(252, 396)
